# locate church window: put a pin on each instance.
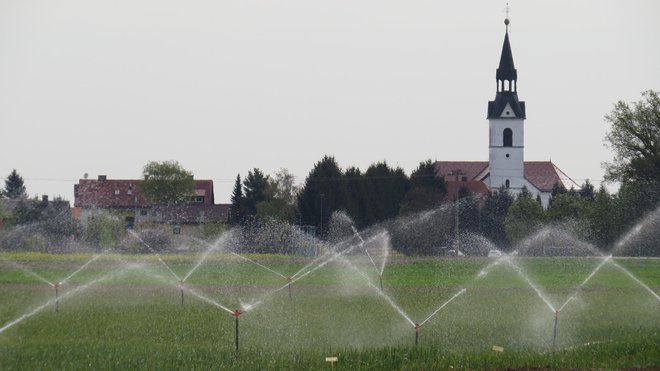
(508, 137)
(506, 183)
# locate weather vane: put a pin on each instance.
(507, 10)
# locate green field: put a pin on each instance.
(132, 315)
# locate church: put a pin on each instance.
(506, 167)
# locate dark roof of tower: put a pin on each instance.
(496, 107)
(506, 70)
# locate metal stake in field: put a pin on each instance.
(237, 313)
(57, 300)
(554, 333)
(181, 292)
(290, 295)
(417, 328)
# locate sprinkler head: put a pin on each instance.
(557, 313)
(417, 327)
(57, 284)
(289, 279)
(237, 313)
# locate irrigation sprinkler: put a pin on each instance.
(237, 313)
(181, 292)
(56, 285)
(380, 276)
(417, 328)
(554, 333)
(290, 295)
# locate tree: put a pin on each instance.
(167, 182)
(236, 209)
(386, 189)
(254, 189)
(524, 217)
(567, 207)
(427, 190)
(14, 187)
(322, 194)
(357, 203)
(493, 216)
(635, 138)
(280, 202)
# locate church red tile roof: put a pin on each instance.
(542, 174)
(470, 169)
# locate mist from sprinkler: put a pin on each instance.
(378, 271)
(137, 237)
(66, 295)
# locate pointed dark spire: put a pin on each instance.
(507, 77)
(506, 70)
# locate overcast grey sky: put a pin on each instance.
(103, 87)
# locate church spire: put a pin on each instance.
(506, 71)
(507, 84)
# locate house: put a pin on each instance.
(123, 198)
(506, 167)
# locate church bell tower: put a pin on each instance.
(506, 116)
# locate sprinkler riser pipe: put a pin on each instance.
(380, 276)
(554, 332)
(57, 300)
(417, 328)
(236, 335)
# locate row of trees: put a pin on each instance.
(382, 193)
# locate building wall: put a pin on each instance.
(506, 162)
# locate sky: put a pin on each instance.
(103, 87)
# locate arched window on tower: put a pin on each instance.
(507, 184)
(508, 137)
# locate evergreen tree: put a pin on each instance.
(14, 187)
(322, 194)
(254, 187)
(357, 202)
(587, 191)
(493, 215)
(386, 189)
(236, 209)
(468, 211)
(427, 190)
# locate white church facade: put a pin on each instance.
(506, 167)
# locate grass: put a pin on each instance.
(134, 318)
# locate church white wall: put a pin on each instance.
(496, 135)
(506, 163)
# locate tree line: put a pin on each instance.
(416, 209)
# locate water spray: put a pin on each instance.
(417, 328)
(237, 313)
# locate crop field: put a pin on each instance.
(111, 311)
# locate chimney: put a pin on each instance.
(44, 198)
(103, 178)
